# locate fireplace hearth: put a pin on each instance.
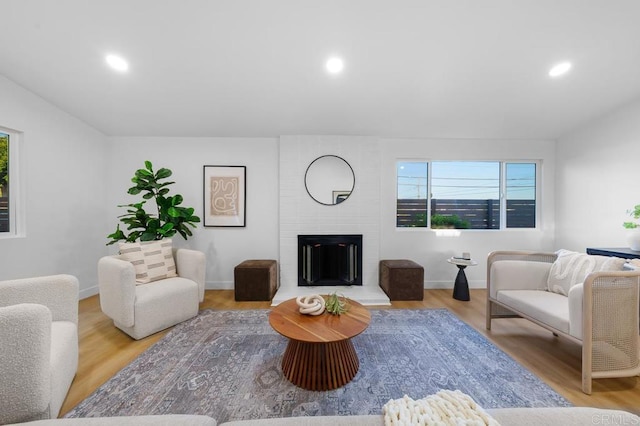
(329, 260)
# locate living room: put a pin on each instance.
(74, 172)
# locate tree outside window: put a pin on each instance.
(4, 183)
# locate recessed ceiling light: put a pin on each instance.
(559, 69)
(117, 63)
(335, 65)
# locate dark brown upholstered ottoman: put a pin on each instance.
(255, 280)
(402, 279)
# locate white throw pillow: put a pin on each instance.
(571, 268)
(152, 260)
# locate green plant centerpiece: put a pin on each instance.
(336, 305)
(635, 213)
(170, 217)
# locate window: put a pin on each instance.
(521, 195)
(10, 225)
(466, 194)
(412, 194)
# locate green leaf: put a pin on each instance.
(148, 165)
(144, 174)
(148, 236)
(176, 200)
(173, 212)
(116, 236)
(163, 173)
(133, 237)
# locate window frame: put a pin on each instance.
(502, 193)
(16, 198)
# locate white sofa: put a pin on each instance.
(575, 416)
(38, 345)
(590, 300)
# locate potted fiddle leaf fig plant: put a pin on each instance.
(169, 217)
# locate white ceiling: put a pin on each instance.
(413, 68)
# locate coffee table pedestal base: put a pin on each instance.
(320, 366)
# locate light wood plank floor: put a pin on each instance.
(104, 349)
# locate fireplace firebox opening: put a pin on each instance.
(326, 260)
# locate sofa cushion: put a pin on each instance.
(157, 420)
(362, 420)
(565, 416)
(518, 275)
(571, 268)
(548, 308)
(152, 260)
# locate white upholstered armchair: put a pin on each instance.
(143, 309)
(38, 346)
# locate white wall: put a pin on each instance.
(224, 247)
(431, 250)
(598, 180)
(64, 188)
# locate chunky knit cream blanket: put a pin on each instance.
(444, 408)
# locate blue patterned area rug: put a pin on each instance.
(226, 364)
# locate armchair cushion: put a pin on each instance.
(159, 306)
(571, 268)
(152, 260)
(63, 361)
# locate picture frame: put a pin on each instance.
(224, 196)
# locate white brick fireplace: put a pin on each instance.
(359, 214)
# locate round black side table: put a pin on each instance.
(461, 285)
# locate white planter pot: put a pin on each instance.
(633, 239)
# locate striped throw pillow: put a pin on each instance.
(152, 260)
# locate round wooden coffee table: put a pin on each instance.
(320, 355)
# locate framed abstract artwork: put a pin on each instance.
(225, 196)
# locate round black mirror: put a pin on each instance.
(329, 180)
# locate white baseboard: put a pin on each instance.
(228, 285)
(88, 292)
(218, 285)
